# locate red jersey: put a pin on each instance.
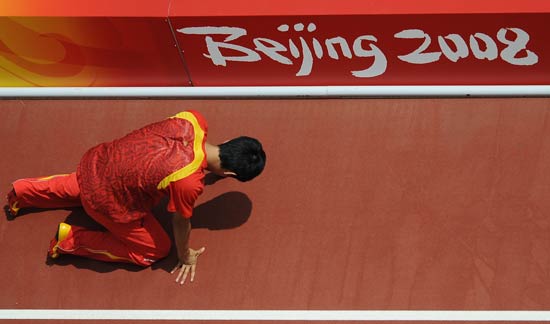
(123, 178)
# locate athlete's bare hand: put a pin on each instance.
(187, 266)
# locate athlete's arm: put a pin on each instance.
(187, 257)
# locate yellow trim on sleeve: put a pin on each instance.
(197, 149)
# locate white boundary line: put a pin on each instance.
(272, 315)
(279, 91)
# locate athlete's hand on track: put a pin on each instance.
(187, 266)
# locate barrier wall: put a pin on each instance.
(307, 42)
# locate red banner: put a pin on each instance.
(308, 42)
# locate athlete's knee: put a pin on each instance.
(150, 258)
(156, 252)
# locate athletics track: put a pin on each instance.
(386, 210)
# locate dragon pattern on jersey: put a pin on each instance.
(119, 179)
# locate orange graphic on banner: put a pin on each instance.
(88, 51)
(30, 57)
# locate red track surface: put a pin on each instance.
(364, 204)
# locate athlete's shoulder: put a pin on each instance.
(193, 114)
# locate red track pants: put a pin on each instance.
(141, 242)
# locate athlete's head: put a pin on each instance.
(244, 156)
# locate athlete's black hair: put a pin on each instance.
(244, 156)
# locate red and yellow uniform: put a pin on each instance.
(119, 182)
